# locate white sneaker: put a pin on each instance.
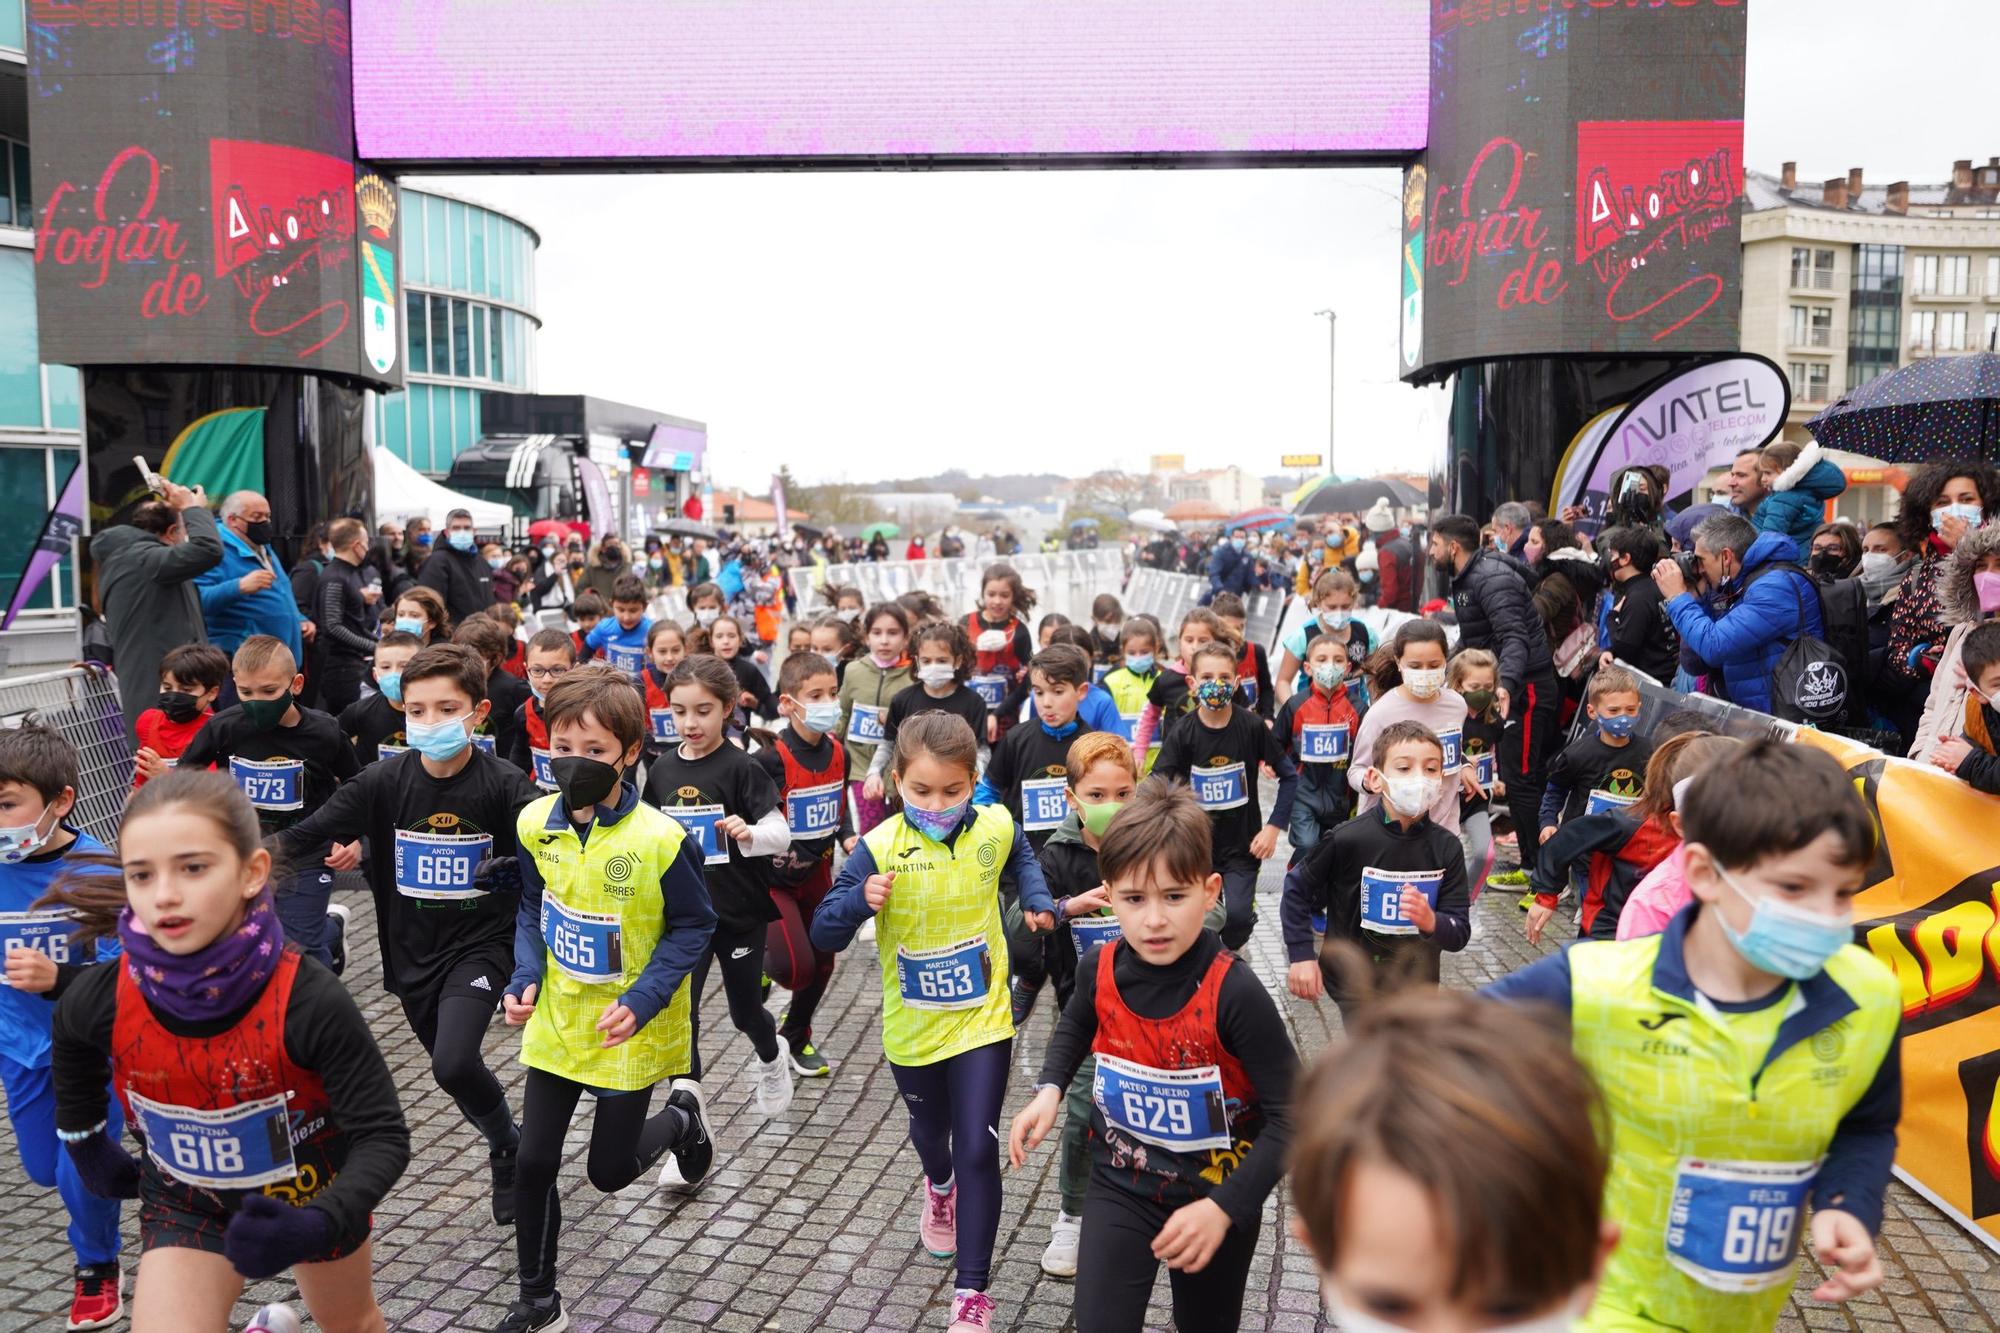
(1059, 1259)
(867, 932)
(773, 1086)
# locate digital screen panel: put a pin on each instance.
(743, 81)
(1582, 185)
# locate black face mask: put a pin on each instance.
(1829, 565)
(258, 533)
(180, 708)
(576, 562)
(613, 556)
(582, 781)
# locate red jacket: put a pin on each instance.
(1615, 853)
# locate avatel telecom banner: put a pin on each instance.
(197, 199)
(1581, 189)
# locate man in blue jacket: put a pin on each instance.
(247, 592)
(1748, 621)
(1230, 569)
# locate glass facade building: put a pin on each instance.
(469, 325)
(1875, 315)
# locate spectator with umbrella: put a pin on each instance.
(1941, 504)
(1395, 561)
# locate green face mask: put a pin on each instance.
(1097, 818)
(1478, 700)
(266, 714)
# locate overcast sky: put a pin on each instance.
(865, 326)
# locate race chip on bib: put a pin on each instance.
(545, 777)
(240, 1148)
(276, 784)
(45, 932)
(1600, 801)
(1218, 789)
(1323, 743)
(699, 822)
(1454, 749)
(629, 660)
(813, 812)
(439, 865)
(992, 689)
(1044, 803)
(1734, 1226)
(1087, 932)
(665, 730)
(589, 946)
(1483, 769)
(1382, 897)
(486, 742)
(864, 725)
(955, 976)
(1181, 1110)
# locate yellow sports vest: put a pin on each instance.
(1128, 691)
(942, 945)
(1688, 1121)
(611, 883)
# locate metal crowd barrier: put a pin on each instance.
(1065, 581)
(1168, 597)
(81, 703)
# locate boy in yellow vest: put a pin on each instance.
(614, 915)
(1748, 1056)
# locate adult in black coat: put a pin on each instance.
(146, 568)
(456, 571)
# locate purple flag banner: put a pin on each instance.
(58, 539)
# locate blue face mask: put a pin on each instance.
(822, 717)
(1239, 542)
(423, 539)
(390, 683)
(1972, 514)
(460, 539)
(935, 824)
(1138, 663)
(1333, 539)
(1784, 940)
(410, 625)
(1617, 728)
(438, 740)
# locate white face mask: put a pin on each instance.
(707, 616)
(850, 615)
(937, 673)
(1355, 1321)
(1877, 564)
(1424, 682)
(1411, 793)
(1334, 619)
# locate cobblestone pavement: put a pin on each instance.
(809, 1222)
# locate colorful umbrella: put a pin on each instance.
(884, 530)
(1942, 407)
(1262, 518)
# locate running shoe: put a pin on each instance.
(807, 1062)
(939, 1228)
(1059, 1259)
(503, 1184)
(1319, 923)
(867, 932)
(1023, 994)
(535, 1317)
(99, 1301)
(773, 1086)
(336, 924)
(695, 1153)
(971, 1312)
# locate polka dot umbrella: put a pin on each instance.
(1943, 407)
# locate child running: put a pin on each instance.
(725, 641)
(943, 660)
(621, 637)
(931, 873)
(374, 722)
(1171, 698)
(45, 953)
(999, 634)
(1334, 595)
(191, 678)
(268, 1118)
(1606, 766)
(1219, 752)
(1316, 727)
(439, 822)
(550, 655)
(1407, 685)
(870, 685)
(588, 612)
(613, 917)
(1748, 1056)
(1448, 1169)
(1474, 675)
(730, 811)
(1192, 1087)
(1130, 682)
(666, 647)
(1253, 668)
(807, 765)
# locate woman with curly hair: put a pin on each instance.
(1941, 503)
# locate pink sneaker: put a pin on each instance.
(939, 1228)
(971, 1312)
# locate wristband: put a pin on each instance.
(79, 1135)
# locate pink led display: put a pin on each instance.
(441, 81)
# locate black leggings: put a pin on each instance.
(792, 960)
(623, 1144)
(452, 1027)
(1117, 1252)
(741, 953)
(954, 1110)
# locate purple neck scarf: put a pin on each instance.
(216, 982)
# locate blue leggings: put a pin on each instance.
(302, 901)
(31, 1107)
(954, 1110)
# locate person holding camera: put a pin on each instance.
(1749, 616)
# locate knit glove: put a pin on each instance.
(497, 874)
(106, 1169)
(266, 1236)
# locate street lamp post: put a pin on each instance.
(1332, 324)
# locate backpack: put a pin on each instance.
(1810, 682)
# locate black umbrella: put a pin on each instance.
(1342, 497)
(1942, 407)
(686, 527)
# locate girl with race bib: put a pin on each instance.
(930, 877)
(613, 918)
(1191, 1090)
(267, 1119)
(1317, 725)
(730, 810)
(1406, 681)
(1000, 642)
(1170, 699)
(1131, 681)
(870, 684)
(942, 658)
(666, 648)
(1474, 675)
(1748, 1056)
